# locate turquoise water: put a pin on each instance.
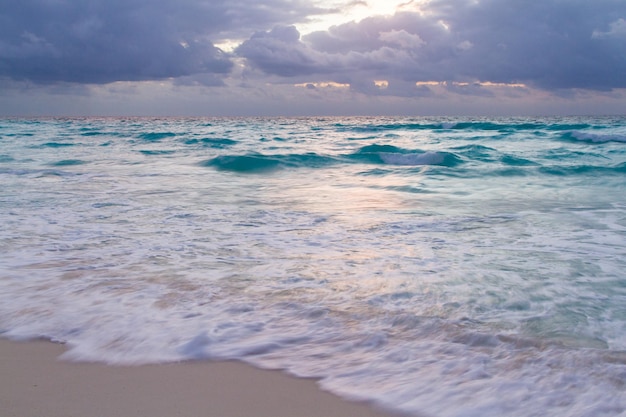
(437, 266)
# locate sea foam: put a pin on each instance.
(446, 267)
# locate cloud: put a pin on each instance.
(280, 52)
(102, 41)
(429, 51)
(617, 29)
(550, 45)
(401, 38)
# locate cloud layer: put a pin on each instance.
(101, 41)
(552, 44)
(471, 47)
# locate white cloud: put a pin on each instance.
(617, 29)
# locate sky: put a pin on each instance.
(312, 57)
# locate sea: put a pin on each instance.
(438, 267)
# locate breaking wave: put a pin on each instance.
(372, 154)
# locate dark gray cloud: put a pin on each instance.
(100, 41)
(549, 44)
(280, 51)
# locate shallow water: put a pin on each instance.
(442, 267)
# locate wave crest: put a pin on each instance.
(372, 154)
(595, 137)
(263, 163)
(393, 155)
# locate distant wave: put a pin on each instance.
(595, 137)
(68, 162)
(211, 142)
(156, 136)
(618, 169)
(157, 152)
(90, 132)
(469, 125)
(56, 144)
(37, 173)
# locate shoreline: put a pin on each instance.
(35, 383)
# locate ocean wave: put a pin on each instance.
(467, 125)
(56, 144)
(513, 126)
(263, 163)
(156, 136)
(494, 126)
(212, 142)
(491, 270)
(512, 160)
(372, 154)
(393, 155)
(157, 152)
(89, 132)
(487, 155)
(68, 162)
(426, 158)
(37, 173)
(391, 126)
(618, 169)
(595, 137)
(476, 152)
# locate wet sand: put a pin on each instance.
(35, 383)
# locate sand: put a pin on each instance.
(35, 383)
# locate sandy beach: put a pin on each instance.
(35, 383)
